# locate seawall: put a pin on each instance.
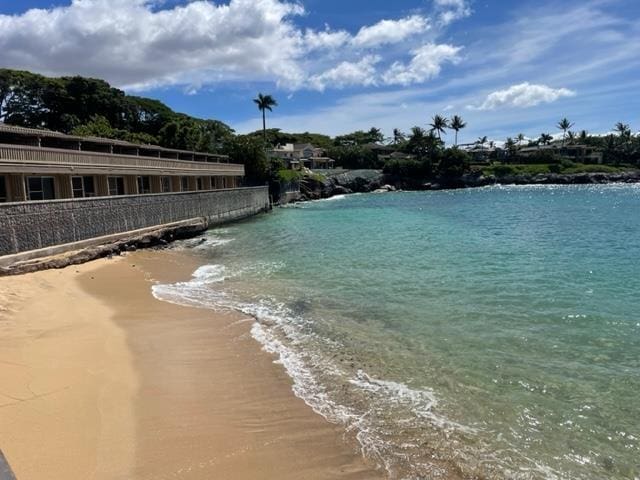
(32, 225)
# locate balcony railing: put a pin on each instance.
(37, 156)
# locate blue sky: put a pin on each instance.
(337, 66)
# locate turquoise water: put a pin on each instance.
(493, 332)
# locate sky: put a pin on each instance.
(336, 66)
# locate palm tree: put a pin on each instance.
(572, 137)
(265, 102)
(481, 141)
(520, 139)
(457, 124)
(583, 135)
(623, 129)
(564, 125)
(545, 139)
(398, 136)
(439, 124)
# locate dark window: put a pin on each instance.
(184, 184)
(144, 185)
(3, 190)
(166, 184)
(83, 187)
(116, 185)
(200, 184)
(40, 188)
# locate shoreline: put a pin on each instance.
(102, 380)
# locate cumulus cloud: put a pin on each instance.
(140, 44)
(426, 63)
(391, 31)
(348, 74)
(131, 44)
(523, 95)
(451, 10)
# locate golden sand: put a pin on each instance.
(99, 380)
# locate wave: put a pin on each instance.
(358, 401)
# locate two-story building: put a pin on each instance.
(300, 155)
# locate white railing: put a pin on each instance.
(69, 158)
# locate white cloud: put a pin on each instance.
(141, 44)
(348, 74)
(130, 43)
(426, 63)
(391, 31)
(451, 10)
(326, 39)
(523, 95)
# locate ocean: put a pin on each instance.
(490, 332)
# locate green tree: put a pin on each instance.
(265, 102)
(453, 164)
(249, 151)
(520, 139)
(511, 147)
(398, 136)
(439, 125)
(564, 125)
(457, 124)
(545, 139)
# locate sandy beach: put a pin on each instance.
(99, 380)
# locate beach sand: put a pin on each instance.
(99, 380)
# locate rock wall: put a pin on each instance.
(32, 225)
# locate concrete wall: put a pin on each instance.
(32, 225)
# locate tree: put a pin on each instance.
(480, 142)
(583, 135)
(453, 163)
(421, 143)
(457, 124)
(376, 135)
(439, 125)
(623, 129)
(545, 139)
(571, 136)
(398, 136)
(250, 152)
(511, 147)
(265, 102)
(564, 125)
(520, 139)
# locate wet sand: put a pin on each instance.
(98, 379)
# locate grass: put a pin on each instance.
(546, 168)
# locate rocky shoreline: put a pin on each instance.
(364, 181)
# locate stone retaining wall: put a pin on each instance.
(32, 225)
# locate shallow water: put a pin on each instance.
(491, 331)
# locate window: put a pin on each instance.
(40, 188)
(144, 185)
(199, 183)
(83, 187)
(166, 184)
(116, 185)
(3, 190)
(184, 184)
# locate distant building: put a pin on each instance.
(578, 153)
(396, 156)
(300, 155)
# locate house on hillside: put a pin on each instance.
(298, 155)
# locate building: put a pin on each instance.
(577, 152)
(61, 191)
(300, 155)
(45, 165)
